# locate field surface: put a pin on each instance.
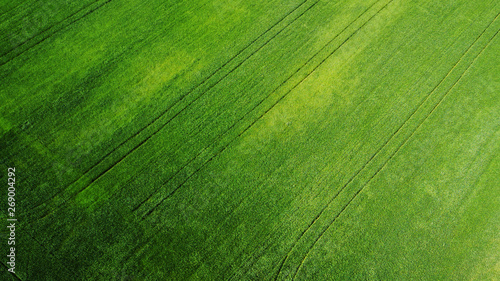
(251, 140)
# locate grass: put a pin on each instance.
(306, 140)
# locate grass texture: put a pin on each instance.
(252, 140)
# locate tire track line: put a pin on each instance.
(402, 144)
(279, 99)
(55, 32)
(186, 95)
(5, 36)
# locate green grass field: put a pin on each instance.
(251, 140)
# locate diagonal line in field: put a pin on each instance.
(279, 99)
(183, 97)
(400, 146)
(13, 8)
(55, 32)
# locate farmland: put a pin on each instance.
(258, 140)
